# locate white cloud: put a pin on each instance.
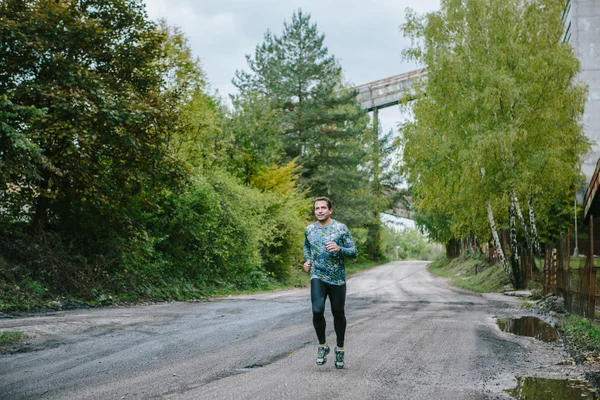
(363, 35)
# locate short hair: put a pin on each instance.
(322, 199)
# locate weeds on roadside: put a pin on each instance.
(583, 337)
(471, 273)
(528, 304)
(8, 338)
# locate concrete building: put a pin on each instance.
(582, 30)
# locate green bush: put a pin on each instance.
(36, 260)
(282, 223)
(412, 243)
(218, 235)
(360, 237)
(213, 235)
(223, 231)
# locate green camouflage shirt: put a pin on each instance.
(328, 266)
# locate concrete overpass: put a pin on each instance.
(386, 92)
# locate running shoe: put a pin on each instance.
(322, 354)
(339, 358)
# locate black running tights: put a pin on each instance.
(319, 291)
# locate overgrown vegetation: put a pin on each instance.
(123, 178)
(471, 272)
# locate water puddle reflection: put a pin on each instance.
(529, 326)
(551, 389)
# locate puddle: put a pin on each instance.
(529, 326)
(551, 389)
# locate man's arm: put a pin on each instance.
(306, 247)
(349, 248)
(307, 263)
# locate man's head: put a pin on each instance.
(323, 209)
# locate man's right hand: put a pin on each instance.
(307, 266)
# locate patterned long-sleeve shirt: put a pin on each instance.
(328, 266)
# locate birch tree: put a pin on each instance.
(498, 117)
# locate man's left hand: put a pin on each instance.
(332, 246)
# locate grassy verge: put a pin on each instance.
(8, 338)
(471, 273)
(579, 262)
(583, 338)
(28, 296)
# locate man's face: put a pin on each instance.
(322, 212)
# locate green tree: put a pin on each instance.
(198, 136)
(321, 123)
(256, 132)
(383, 191)
(84, 158)
(18, 156)
(500, 115)
(92, 67)
(410, 243)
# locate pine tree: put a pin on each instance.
(322, 125)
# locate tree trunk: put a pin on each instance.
(499, 250)
(373, 248)
(41, 206)
(452, 248)
(514, 252)
(528, 240)
(517, 208)
(536, 240)
(479, 246)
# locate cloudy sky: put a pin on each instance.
(363, 35)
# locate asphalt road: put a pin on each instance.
(409, 336)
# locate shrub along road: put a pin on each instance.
(410, 336)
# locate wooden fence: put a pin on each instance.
(573, 277)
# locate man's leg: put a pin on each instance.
(318, 294)
(337, 298)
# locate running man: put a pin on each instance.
(327, 242)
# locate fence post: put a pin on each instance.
(569, 249)
(548, 269)
(592, 275)
(569, 275)
(530, 267)
(545, 277)
(525, 261)
(554, 270)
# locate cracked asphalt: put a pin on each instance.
(409, 336)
